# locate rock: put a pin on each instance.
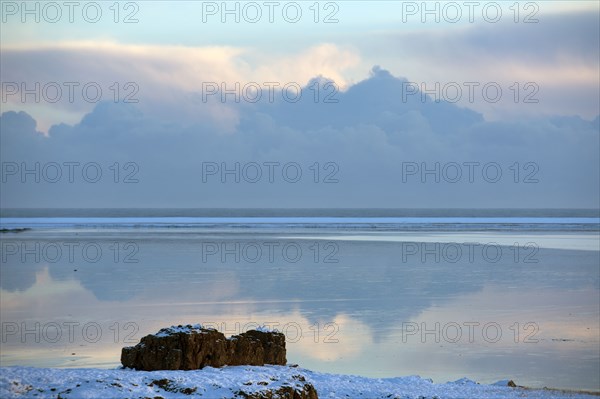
(307, 391)
(257, 348)
(192, 347)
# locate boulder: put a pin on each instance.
(257, 348)
(193, 347)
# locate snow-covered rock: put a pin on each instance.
(192, 347)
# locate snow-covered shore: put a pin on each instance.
(239, 382)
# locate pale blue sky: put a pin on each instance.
(180, 22)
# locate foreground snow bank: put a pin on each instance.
(239, 382)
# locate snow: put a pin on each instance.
(27, 382)
(187, 329)
(266, 329)
(197, 329)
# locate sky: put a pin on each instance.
(300, 104)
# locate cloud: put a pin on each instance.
(370, 149)
(560, 54)
(159, 78)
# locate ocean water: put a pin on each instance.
(487, 294)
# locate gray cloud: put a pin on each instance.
(362, 141)
(571, 35)
(561, 54)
